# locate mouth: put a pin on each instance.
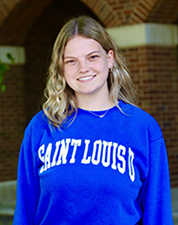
(86, 78)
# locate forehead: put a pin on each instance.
(80, 44)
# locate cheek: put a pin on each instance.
(69, 72)
(101, 66)
(104, 69)
(69, 77)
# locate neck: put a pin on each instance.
(94, 103)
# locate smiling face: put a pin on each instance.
(86, 66)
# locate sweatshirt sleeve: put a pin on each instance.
(27, 185)
(156, 194)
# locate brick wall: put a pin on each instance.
(12, 122)
(155, 74)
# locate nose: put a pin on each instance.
(83, 67)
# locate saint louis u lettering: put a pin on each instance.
(107, 153)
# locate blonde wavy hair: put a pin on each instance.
(60, 98)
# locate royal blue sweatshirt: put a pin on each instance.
(97, 171)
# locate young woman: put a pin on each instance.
(91, 156)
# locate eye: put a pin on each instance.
(93, 57)
(70, 61)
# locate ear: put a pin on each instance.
(110, 57)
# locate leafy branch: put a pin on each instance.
(3, 68)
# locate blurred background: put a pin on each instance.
(147, 33)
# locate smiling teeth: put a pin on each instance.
(86, 78)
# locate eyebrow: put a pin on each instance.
(93, 52)
(96, 51)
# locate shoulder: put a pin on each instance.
(142, 121)
(38, 124)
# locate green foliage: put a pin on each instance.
(11, 58)
(3, 68)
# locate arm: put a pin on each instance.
(156, 194)
(27, 185)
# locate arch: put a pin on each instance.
(28, 10)
(111, 13)
(23, 6)
(27, 7)
(6, 7)
(104, 11)
(141, 11)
